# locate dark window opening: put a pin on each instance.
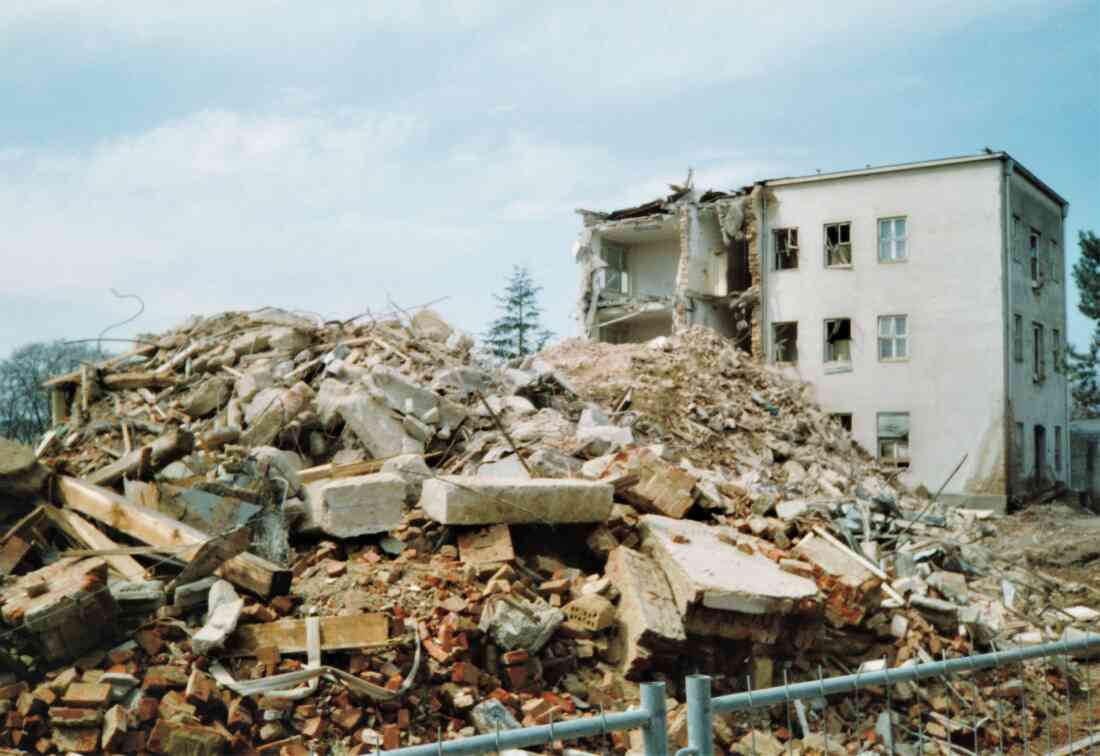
(844, 419)
(785, 341)
(838, 340)
(893, 439)
(838, 245)
(786, 248)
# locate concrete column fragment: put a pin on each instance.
(349, 507)
(457, 500)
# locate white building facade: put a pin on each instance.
(926, 304)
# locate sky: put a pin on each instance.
(350, 156)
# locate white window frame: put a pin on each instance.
(891, 336)
(838, 419)
(790, 237)
(840, 227)
(891, 239)
(775, 342)
(893, 443)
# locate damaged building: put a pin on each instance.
(924, 302)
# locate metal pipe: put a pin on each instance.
(572, 729)
(655, 726)
(761, 699)
(697, 691)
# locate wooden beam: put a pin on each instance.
(73, 377)
(247, 570)
(124, 381)
(161, 453)
(17, 542)
(321, 472)
(289, 636)
(82, 531)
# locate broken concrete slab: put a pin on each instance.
(225, 611)
(597, 440)
(509, 467)
(458, 500)
(413, 470)
(429, 325)
(517, 624)
(277, 414)
(20, 474)
(650, 624)
(208, 397)
(546, 425)
(349, 507)
(461, 382)
(706, 569)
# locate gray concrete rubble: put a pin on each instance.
(224, 611)
(412, 469)
(706, 568)
(517, 624)
(457, 500)
(349, 507)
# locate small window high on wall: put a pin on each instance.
(893, 439)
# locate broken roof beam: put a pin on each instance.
(247, 570)
(73, 377)
(84, 532)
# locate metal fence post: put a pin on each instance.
(655, 730)
(700, 739)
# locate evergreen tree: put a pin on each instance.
(517, 332)
(1082, 367)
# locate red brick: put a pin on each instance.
(391, 737)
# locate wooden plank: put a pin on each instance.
(74, 377)
(247, 570)
(212, 554)
(351, 469)
(1086, 742)
(289, 636)
(63, 577)
(124, 381)
(88, 534)
(162, 452)
(17, 542)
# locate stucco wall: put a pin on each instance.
(652, 266)
(951, 290)
(1042, 403)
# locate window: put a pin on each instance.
(1053, 261)
(1018, 445)
(1018, 338)
(838, 340)
(1033, 256)
(844, 420)
(892, 242)
(893, 337)
(838, 245)
(1038, 355)
(1056, 350)
(1017, 238)
(616, 278)
(1058, 449)
(785, 341)
(893, 439)
(786, 248)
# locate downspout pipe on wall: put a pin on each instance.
(765, 335)
(1007, 166)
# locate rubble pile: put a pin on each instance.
(264, 533)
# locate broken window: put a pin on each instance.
(785, 340)
(786, 248)
(892, 243)
(844, 419)
(1033, 256)
(1018, 338)
(838, 340)
(893, 337)
(893, 439)
(1058, 449)
(838, 245)
(1056, 350)
(1038, 355)
(616, 278)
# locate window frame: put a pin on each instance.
(893, 239)
(775, 342)
(1052, 262)
(898, 463)
(623, 270)
(835, 365)
(837, 417)
(1034, 263)
(1038, 352)
(1017, 238)
(1020, 450)
(1017, 337)
(1058, 449)
(838, 225)
(1056, 350)
(786, 232)
(893, 337)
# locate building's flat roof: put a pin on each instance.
(920, 165)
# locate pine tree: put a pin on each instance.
(517, 332)
(1083, 367)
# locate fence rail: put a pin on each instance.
(651, 716)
